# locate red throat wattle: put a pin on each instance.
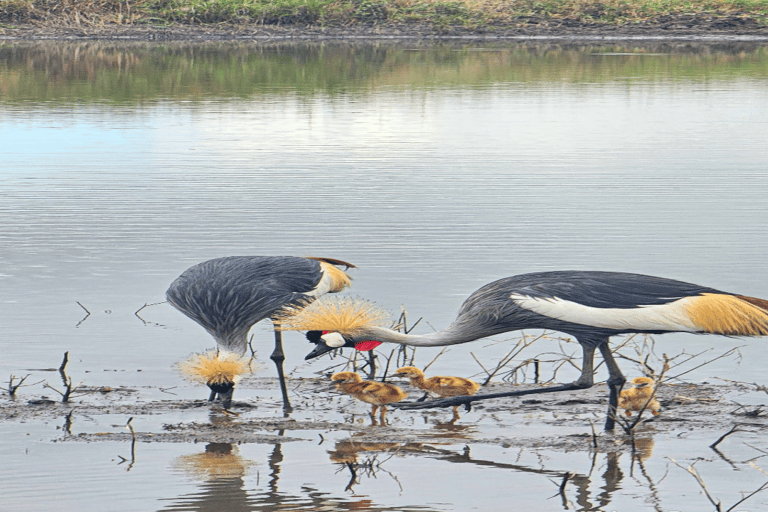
(365, 346)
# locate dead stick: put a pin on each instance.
(84, 308)
(64, 362)
(63, 374)
(713, 445)
(435, 358)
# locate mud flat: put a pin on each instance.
(560, 421)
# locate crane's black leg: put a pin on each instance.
(615, 382)
(278, 357)
(226, 398)
(212, 396)
(587, 377)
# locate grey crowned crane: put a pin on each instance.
(227, 296)
(591, 306)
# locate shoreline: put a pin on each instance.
(692, 29)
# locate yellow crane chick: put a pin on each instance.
(634, 398)
(441, 386)
(378, 394)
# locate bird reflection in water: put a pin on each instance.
(221, 471)
(347, 453)
(224, 486)
(219, 460)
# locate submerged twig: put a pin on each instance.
(717, 503)
(720, 439)
(129, 426)
(69, 389)
(690, 469)
(87, 314)
(146, 305)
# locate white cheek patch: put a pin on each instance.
(333, 339)
(672, 316)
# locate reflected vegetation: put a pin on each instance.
(577, 489)
(138, 72)
(591, 485)
(222, 471)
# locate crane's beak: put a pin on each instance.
(320, 349)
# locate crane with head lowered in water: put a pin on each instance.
(227, 296)
(591, 306)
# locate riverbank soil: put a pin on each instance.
(739, 26)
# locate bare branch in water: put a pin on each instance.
(87, 314)
(720, 439)
(717, 504)
(146, 305)
(690, 469)
(13, 387)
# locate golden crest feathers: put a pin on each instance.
(214, 367)
(338, 314)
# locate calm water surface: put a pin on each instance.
(435, 170)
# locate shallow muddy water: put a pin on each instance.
(435, 170)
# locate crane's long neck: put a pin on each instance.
(447, 336)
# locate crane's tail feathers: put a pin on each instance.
(731, 315)
(338, 314)
(339, 279)
(334, 261)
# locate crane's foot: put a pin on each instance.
(614, 391)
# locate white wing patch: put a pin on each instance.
(323, 287)
(672, 316)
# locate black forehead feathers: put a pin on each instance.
(314, 336)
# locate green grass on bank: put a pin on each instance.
(469, 13)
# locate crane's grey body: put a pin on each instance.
(489, 310)
(227, 296)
